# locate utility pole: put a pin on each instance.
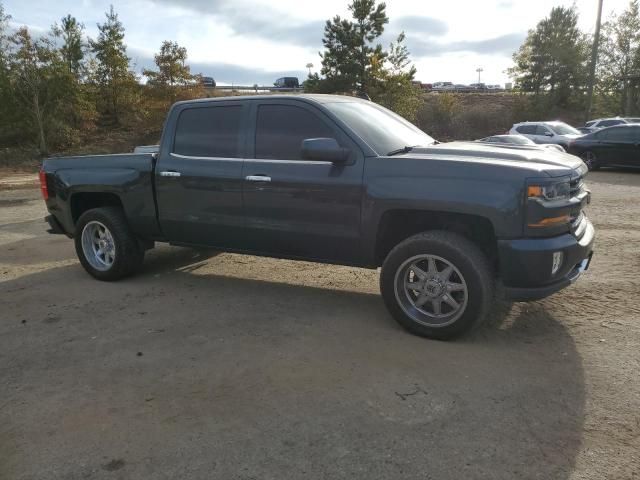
(309, 66)
(594, 60)
(479, 70)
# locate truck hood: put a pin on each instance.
(552, 162)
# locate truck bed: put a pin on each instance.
(125, 179)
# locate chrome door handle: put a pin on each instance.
(169, 173)
(257, 178)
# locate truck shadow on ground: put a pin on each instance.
(188, 374)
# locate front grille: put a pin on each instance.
(578, 218)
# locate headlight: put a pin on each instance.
(550, 192)
(548, 204)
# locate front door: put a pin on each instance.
(198, 175)
(296, 207)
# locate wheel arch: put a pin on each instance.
(399, 224)
(80, 202)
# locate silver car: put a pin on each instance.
(519, 140)
(558, 133)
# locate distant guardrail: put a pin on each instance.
(253, 88)
(265, 89)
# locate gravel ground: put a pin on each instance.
(227, 366)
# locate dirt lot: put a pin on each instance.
(226, 366)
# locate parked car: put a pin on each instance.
(443, 86)
(478, 86)
(594, 125)
(208, 82)
(335, 179)
(287, 82)
(611, 146)
(494, 87)
(520, 140)
(547, 132)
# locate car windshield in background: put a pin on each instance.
(563, 129)
(519, 140)
(381, 129)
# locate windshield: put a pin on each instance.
(563, 129)
(381, 129)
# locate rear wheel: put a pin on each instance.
(105, 245)
(590, 160)
(437, 284)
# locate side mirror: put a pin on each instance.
(548, 134)
(324, 150)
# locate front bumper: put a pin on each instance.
(525, 264)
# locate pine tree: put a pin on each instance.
(553, 57)
(72, 49)
(350, 48)
(112, 65)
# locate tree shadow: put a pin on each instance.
(184, 373)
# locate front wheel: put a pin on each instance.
(437, 284)
(105, 245)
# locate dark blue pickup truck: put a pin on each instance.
(340, 180)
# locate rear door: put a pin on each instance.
(627, 144)
(616, 146)
(198, 174)
(295, 207)
(633, 157)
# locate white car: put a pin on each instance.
(520, 140)
(547, 132)
(600, 123)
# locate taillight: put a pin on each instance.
(43, 184)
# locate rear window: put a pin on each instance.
(208, 132)
(527, 129)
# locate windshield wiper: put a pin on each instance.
(406, 149)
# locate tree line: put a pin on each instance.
(554, 60)
(58, 86)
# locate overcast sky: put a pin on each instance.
(256, 41)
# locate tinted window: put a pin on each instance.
(527, 129)
(589, 124)
(622, 134)
(280, 130)
(541, 130)
(561, 128)
(609, 123)
(208, 132)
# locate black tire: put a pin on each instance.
(591, 160)
(474, 271)
(128, 253)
